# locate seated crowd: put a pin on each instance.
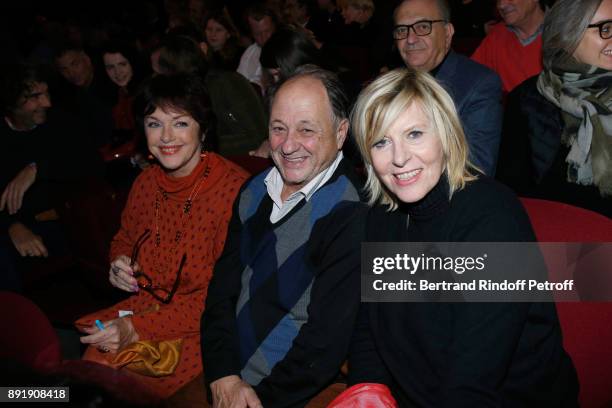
(366, 126)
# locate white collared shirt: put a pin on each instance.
(274, 186)
(250, 67)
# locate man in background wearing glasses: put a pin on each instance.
(423, 34)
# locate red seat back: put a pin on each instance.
(587, 327)
(27, 335)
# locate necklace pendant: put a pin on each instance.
(187, 207)
(157, 239)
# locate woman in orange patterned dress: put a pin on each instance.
(173, 229)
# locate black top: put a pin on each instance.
(63, 158)
(462, 354)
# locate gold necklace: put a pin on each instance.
(185, 214)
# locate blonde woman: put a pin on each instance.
(422, 188)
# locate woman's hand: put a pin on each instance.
(121, 275)
(26, 242)
(116, 335)
(232, 392)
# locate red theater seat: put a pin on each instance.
(587, 327)
(29, 339)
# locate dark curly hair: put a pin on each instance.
(182, 92)
(16, 80)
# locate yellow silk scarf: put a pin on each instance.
(149, 357)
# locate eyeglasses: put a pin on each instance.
(145, 282)
(420, 28)
(605, 29)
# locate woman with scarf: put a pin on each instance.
(557, 142)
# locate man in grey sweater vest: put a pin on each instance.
(283, 299)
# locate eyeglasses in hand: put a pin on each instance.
(145, 282)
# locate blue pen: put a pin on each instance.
(100, 325)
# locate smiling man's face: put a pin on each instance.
(303, 136)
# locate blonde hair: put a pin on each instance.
(379, 105)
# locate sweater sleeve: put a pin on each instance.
(124, 239)
(322, 343)
(365, 363)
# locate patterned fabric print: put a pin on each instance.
(584, 95)
(278, 277)
(203, 242)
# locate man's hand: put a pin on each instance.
(117, 334)
(26, 242)
(12, 197)
(232, 392)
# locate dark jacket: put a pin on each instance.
(532, 157)
(477, 93)
(462, 354)
(241, 122)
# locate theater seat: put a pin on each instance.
(29, 340)
(587, 326)
(27, 335)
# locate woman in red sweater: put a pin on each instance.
(173, 229)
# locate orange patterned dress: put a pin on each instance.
(202, 233)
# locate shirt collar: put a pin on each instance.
(274, 183)
(525, 42)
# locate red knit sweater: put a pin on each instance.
(203, 238)
(502, 51)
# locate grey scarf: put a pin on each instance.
(584, 95)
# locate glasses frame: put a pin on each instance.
(409, 26)
(600, 26)
(145, 282)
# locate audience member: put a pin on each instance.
(46, 156)
(286, 50)
(222, 38)
(422, 188)
(173, 229)
(126, 71)
(327, 21)
(423, 35)
(262, 23)
(240, 118)
(298, 12)
(513, 48)
(85, 93)
(284, 295)
(557, 141)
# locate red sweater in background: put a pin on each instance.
(502, 51)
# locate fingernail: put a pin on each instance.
(135, 288)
